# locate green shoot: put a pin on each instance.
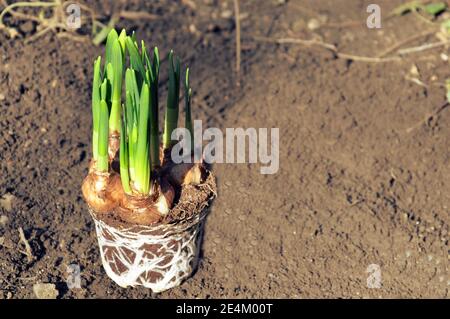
(103, 134)
(112, 37)
(117, 66)
(95, 106)
(154, 118)
(142, 160)
(122, 40)
(187, 102)
(124, 160)
(135, 118)
(171, 119)
(135, 59)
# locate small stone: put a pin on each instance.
(27, 27)
(444, 57)
(3, 220)
(2, 240)
(6, 201)
(2, 97)
(226, 14)
(192, 28)
(313, 24)
(45, 291)
(414, 70)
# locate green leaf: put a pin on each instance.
(156, 63)
(111, 39)
(105, 90)
(103, 133)
(147, 63)
(171, 116)
(135, 57)
(187, 101)
(124, 160)
(122, 41)
(117, 64)
(435, 8)
(131, 85)
(95, 106)
(110, 75)
(142, 161)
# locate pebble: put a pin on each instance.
(2, 97)
(226, 14)
(27, 27)
(3, 220)
(45, 291)
(6, 201)
(192, 28)
(313, 24)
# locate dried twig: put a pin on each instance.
(405, 41)
(137, 15)
(424, 47)
(28, 251)
(333, 48)
(327, 46)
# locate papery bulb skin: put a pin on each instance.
(147, 210)
(100, 191)
(113, 145)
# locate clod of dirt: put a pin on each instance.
(45, 291)
(7, 201)
(3, 220)
(27, 27)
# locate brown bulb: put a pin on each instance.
(98, 190)
(147, 210)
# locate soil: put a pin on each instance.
(364, 156)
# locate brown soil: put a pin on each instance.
(356, 185)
